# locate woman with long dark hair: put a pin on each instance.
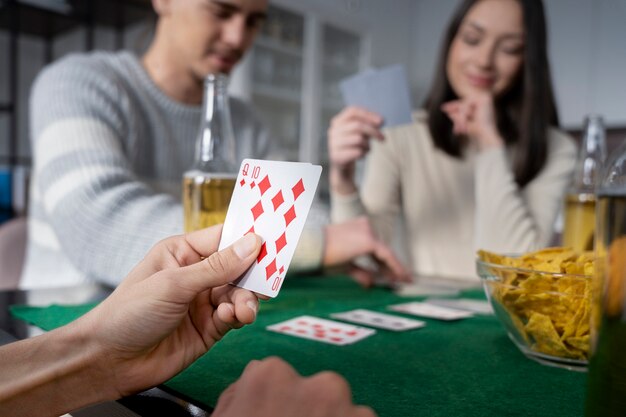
(482, 165)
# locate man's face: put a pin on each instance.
(211, 36)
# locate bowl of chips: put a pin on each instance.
(543, 299)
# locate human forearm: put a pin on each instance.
(107, 176)
(51, 374)
(345, 207)
(504, 221)
(172, 308)
(342, 182)
(128, 218)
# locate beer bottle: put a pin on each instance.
(606, 384)
(209, 184)
(580, 200)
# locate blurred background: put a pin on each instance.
(303, 50)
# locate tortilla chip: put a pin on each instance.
(581, 343)
(547, 340)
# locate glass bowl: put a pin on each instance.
(546, 314)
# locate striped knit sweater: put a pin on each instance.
(109, 152)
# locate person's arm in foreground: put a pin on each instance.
(172, 308)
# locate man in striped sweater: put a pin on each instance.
(112, 134)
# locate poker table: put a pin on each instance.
(467, 367)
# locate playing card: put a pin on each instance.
(271, 199)
(430, 311)
(420, 289)
(327, 331)
(384, 91)
(465, 304)
(380, 320)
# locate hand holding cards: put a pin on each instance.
(384, 91)
(271, 199)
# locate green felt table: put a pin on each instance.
(467, 367)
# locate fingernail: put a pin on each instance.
(245, 246)
(231, 308)
(252, 306)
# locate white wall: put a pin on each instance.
(586, 47)
(429, 20)
(607, 86)
(387, 21)
(570, 43)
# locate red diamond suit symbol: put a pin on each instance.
(297, 189)
(264, 185)
(290, 215)
(270, 269)
(257, 210)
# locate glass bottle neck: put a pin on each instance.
(591, 156)
(215, 144)
(594, 142)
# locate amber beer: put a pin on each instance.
(580, 221)
(205, 198)
(606, 385)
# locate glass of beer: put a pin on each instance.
(606, 385)
(580, 221)
(606, 394)
(206, 197)
(580, 201)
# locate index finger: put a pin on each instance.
(177, 251)
(245, 303)
(205, 241)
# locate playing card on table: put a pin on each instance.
(430, 311)
(420, 289)
(465, 304)
(271, 199)
(380, 320)
(314, 328)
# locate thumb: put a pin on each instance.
(221, 267)
(361, 276)
(390, 261)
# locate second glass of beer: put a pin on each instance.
(580, 201)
